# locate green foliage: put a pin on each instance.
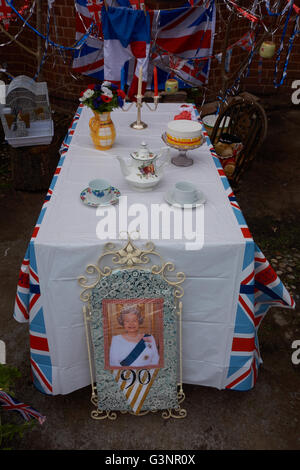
(8, 376)
(9, 431)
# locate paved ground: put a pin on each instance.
(266, 417)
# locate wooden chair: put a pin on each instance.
(245, 118)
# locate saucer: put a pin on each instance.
(199, 201)
(85, 198)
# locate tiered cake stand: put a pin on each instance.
(182, 159)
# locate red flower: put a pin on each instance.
(121, 93)
(106, 98)
(92, 86)
(149, 169)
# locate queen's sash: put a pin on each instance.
(135, 353)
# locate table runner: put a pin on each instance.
(229, 288)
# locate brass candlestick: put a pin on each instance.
(155, 98)
(139, 124)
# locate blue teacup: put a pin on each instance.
(100, 190)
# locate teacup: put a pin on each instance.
(185, 192)
(100, 190)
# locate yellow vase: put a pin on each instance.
(103, 130)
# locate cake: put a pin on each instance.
(184, 133)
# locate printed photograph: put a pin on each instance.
(133, 333)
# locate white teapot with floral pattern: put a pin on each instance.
(143, 171)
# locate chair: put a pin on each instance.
(132, 296)
(245, 118)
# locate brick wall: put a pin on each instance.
(65, 87)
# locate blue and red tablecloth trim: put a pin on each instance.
(28, 304)
(260, 289)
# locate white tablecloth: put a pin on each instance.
(67, 241)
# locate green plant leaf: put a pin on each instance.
(8, 376)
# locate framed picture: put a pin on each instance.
(133, 326)
(133, 333)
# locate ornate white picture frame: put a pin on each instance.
(132, 312)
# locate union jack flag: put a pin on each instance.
(28, 307)
(187, 32)
(185, 35)
(12, 404)
(182, 40)
(89, 59)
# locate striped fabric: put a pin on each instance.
(136, 394)
(28, 304)
(260, 289)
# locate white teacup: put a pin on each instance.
(185, 192)
(100, 190)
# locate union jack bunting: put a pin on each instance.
(89, 59)
(28, 304)
(260, 289)
(246, 42)
(186, 33)
(10, 403)
(182, 43)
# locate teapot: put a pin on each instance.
(143, 171)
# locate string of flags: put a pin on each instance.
(170, 43)
(245, 42)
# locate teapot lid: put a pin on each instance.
(143, 153)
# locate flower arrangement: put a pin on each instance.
(103, 98)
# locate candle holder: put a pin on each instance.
(139, 124)
(128, 108)
(155, 98)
